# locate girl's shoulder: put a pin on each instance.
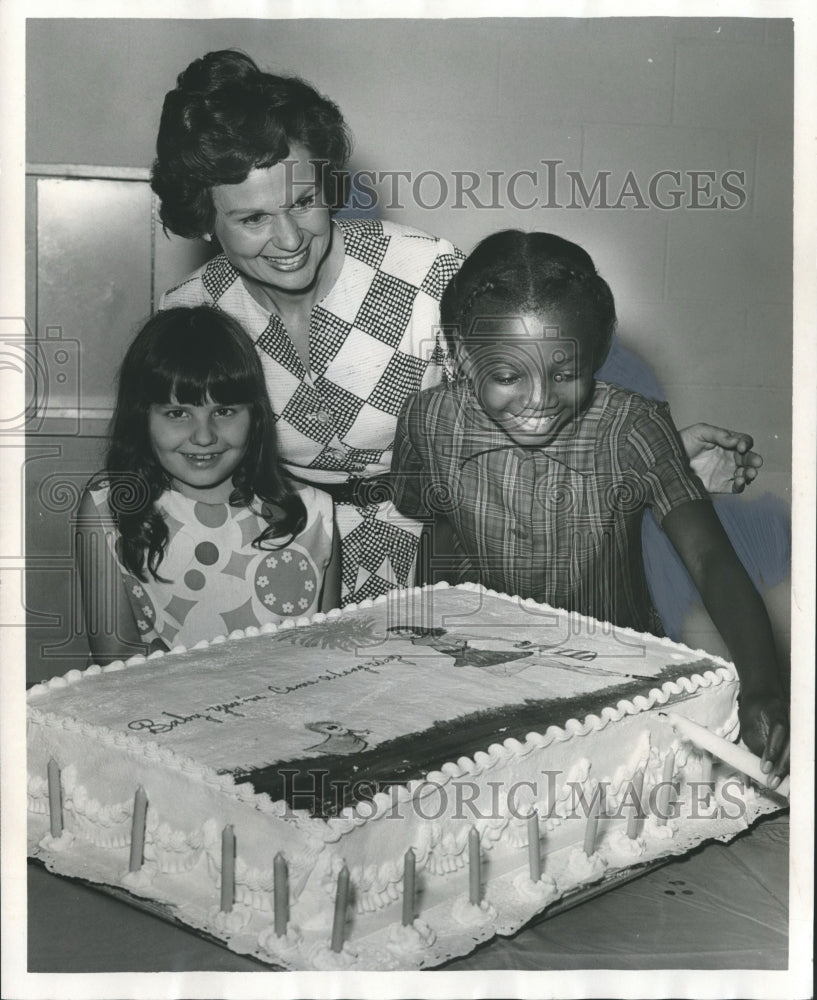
(626, 416)
(93, 508)
(620, 402)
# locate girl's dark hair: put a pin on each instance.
(512, 272)
(225, 118)
(191, 356)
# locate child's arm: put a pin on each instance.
(740, 616)
(109, 621)
(330, 592)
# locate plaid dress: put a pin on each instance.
(560, 524)
(374, 340)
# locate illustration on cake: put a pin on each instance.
(386, 786)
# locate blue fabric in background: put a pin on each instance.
(626, 369)
(759, 528)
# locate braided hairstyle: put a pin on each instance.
(190, 356)
(512, 272)
(226, 117)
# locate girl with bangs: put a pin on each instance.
(193, 530)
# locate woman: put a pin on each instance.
(344, 313)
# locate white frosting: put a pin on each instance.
(542, 891)
(584, 868)
(656, 830)
(410, 939)
(173, 850)
(176, 725)
(58, 844)
(324, 958)
(733, 791)
(631, 847)
(472, 914)
(284, 946)
(229, 921)
(140, 879)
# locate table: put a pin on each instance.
(722, 906)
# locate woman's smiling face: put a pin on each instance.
(273, 226)
(531, 374)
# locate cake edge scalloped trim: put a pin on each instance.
(349, 818)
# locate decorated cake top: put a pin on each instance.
(351, 691)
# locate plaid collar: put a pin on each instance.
(574, 447)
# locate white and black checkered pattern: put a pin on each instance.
(217, 276)
(331, 332)
(302, 413)
(373, 342)
(402, 377)
(360, 245)
(378, 552)
(275, 342)
(386, 310)
(342, 406)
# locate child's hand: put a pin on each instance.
(723, 460)
(764, 728)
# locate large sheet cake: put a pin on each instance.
(317, 753)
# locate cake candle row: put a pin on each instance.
(343, 891)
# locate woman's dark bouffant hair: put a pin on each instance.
(512, 272)
(189, 355)
(225, 118)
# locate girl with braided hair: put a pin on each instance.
(542, 473)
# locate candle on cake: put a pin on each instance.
(55, 798)
(341, 903)
(591, 830)
(730, 753)
(280, 894)
(474, 867)
(637, 787)
(227, 869)
(534, 858)
(137, 834)
(666, 789)
(409, 866)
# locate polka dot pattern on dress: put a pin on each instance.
(206, 553)
(211, 515)
(195, 579)
(286, 581)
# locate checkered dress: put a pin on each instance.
(374, 340)
(561, 523)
